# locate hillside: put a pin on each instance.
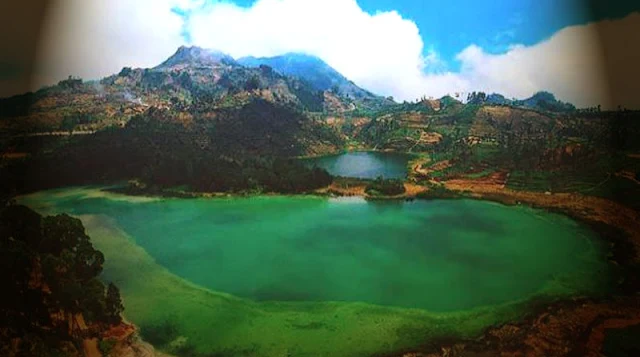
(189, 77)
(244, 114)
(55, 302)
(319, 75)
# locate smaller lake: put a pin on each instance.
(366, 164)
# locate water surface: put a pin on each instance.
(435, 255)
(278, 276)
(365, 164)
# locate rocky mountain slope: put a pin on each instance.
(319, 75)
(190, 77)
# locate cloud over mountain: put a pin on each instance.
(382, 52)
(97, 38)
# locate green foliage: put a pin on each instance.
(466, 115)
(476, 97)
(18, 105)
(241, 150)
(311, 100)
(252, 83)
(382, 187)
(54, 252)
(160, 333)
(125, 71)
(622, 342)
(113, 304)
(106, 346)
(436, 191)
(70, 83)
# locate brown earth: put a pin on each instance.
(488, 117)
(574, 328)
(14, 155)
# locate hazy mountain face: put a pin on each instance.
(544, 101)
(203, 81)
(312, 69)
(303, 81)
(196, 56)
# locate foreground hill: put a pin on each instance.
(55, 302)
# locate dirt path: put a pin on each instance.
(418, 170)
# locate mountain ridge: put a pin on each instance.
(186, 55)
(320, 74)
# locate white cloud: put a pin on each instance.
(586, 65)
(382, 52)
(568, 64)
(372, 50)
(96, 38)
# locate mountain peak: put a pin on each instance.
(298, 64)
(194, 55)
(312, 69)
(546, 101)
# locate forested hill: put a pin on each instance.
(204, 121)
(53, 299)
(189, 77)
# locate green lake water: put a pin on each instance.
(364, 164)
(266, 276)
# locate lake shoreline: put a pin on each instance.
(113, 247)
(619, 231)
(576, 325)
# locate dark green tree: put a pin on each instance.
(113, 304)
(252, 83)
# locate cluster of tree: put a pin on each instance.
(71, 121)
(476, 97)
(594, 109)
(310, 99)
(242, 151)
(49, 275)
(17, 105)
(545, 101)
(378, 131)
(70, 83)
(382, 187)
(455, 146)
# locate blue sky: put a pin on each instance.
(448, 27)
